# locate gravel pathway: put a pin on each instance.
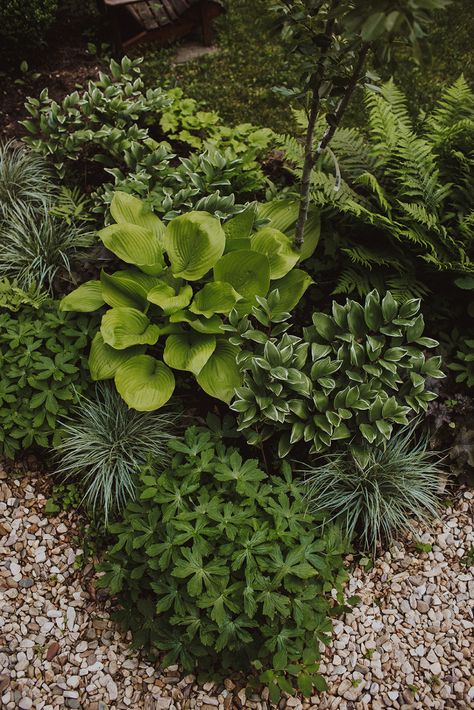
(408, 645)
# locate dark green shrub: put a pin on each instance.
(43, 369)
(352, 377)
(218, 565)
(24, 23)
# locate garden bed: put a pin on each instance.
(407, 644)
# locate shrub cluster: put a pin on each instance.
(218, 563)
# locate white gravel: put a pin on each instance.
(408, 644)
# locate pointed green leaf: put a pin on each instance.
(216, 297)
(135, 245)
(200, 325)
(104, 361)
(195, 242)
(220, 376)
(85, 299)
(168, 299)
(291, 288)
(130, 210)
(122, 289)
(247, 271)
(278, 248)
(144, 383)
(241, 226)
(124, 327)
(189, 351)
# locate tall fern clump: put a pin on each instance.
(398, 196)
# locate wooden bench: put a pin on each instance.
(161, 21)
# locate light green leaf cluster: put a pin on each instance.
(167, 309)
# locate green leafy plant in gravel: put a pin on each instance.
(374, 497)
(43, 369)
(218, 565)
(104, 443)
(181, 281)
(351, 377)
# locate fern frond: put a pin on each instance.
(455, 104)
(72, 205)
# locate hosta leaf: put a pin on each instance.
(241, 226)
(200, 325)
(124, 327)
(168, 299)
(195, 242)
(278, 248)
(130, 210)
(104, 361)
(247, 271)
(189, 351)
(144, 383)
(85, 299)
(217, 297)
(220, 376)
(291, 288)
(135, 245)
(122, 289)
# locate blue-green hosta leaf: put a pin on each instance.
(104, 361)
(135, 245)
(291, 289)
(123, 327)
(216, 297)
(123, 289)
(195, 242)
(200, 325)
(247, 271)
(144, 383)
(279, 250)
(189, 351)
(85, 299)
(168, 299)
(220, 376)
(130, 210)
(241, 226)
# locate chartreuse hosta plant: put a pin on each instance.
(166, 308)
(352, 377)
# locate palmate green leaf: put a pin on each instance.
(247, 271)
(130, 210)
(104, 360)
(170, 300)
(216, 297)
(135, 245)
(144, 383)
(84, 299)
(123, 289)
(123, 327)
(189, 351)
(194, 242)
(291, 289)
(277, 247)
(221, 375)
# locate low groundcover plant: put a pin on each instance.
(219, 565)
